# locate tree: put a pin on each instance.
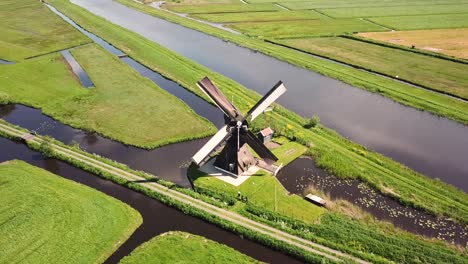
(313, 122)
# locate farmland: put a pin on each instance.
(108, 108)
(258, 16)
(441, 75)
(49, 219)
(190, 9)
(304, 28)
(423, 22)
(32, 31)
(446, 41)
(181, 247)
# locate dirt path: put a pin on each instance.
(183, 198)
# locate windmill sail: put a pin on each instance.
(219, 99)
(259, 148)
(209, 146)
(266, 101)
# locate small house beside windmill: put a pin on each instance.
(265, 135)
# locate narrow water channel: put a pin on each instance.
(434, 146)
(157, 217)
(302, 173)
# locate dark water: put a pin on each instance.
(431, 145)
(77, 69)
(168, 162)
(302, 173)
(157, 217)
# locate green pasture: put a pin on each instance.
(437, 74)
(224, 8)
(394, 10)
(28, 28)
(423, 22)
(306, 28)
(258, 16)
(181, 247)
(314, 4)
(48, 219)
(124, 105)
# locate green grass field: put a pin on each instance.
(224, 8)
(423, 22)
(48, 219)
(314, 4)
(181, 247)
(394, 10)
(438, 74)
(260, 190)
(123, 106)
(28, 28)
(258, 16)
(331, 151)
(305, 28)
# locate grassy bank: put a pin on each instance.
(181, 247)
(331, 151)
(123, 106)
(405, 94)
(50, 219)
(28, 28)
(437, 74)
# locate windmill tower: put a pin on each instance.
(236, 158)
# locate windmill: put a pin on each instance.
(236, 158)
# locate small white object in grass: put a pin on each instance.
(396, 76)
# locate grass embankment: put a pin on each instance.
(305, 28)
(436, 74)
(423, 22)
(28, 28)
(445, 41)
(181, 247)
(48, 219)
(405, 94)
(338, 155)
(124, 106)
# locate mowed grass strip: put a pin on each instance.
(28, 28)
(437, 74)
(182, 247)
(313, 4)
(394, 10)
(258, 16)
(423, 22)
(260, 190)
(217, 8)
(123, 106)
(306, 28)
(48, 219)
(451, 42)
